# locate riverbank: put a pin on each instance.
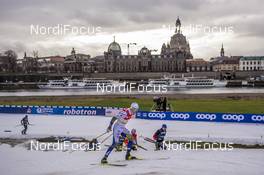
(231, 103)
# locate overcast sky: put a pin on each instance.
(206, 24)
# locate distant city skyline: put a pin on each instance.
(148, 23)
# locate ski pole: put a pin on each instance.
(106, 138)
(148, 139)
(100, 135)
(142, 147)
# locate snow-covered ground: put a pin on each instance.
(19, 160)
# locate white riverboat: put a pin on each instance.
(76, 84)
(188, 82)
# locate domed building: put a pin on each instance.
(178, 44)
(114, 48)
(144, 52)
(172, 58)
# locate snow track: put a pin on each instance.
(19, 160)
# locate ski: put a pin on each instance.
(137, 158)
(114, 164)
(110, 164)
(7, 131)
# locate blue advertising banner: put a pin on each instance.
(13, 109)
(54, 110)
(100, 111)
(208, 117)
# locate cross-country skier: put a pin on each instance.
(24, 122)
(122, 140)
(134, 139)
(120, 131)
(159, 136)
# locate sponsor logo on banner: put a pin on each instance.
(205, 116)
(233, 117)
(29, 110)
(156, 115)
(257, 118)
(183, 116)
(44, 110)
(145, 114)
(79, 112)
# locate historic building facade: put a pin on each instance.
(76, 62)
(198, 65)
(251, 63)
(49, 64)
(225, 63)
(172, 58)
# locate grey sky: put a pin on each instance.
(129, 17)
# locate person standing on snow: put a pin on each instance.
(159, 136)
(24, 122)
(120, 131)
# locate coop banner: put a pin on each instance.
(54, 110)
(209, 117)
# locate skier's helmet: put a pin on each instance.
(164, 126)
(134, 106)
(133, 131)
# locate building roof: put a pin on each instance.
(225, 60)
(230, 61)
(252, 58)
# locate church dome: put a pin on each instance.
(178, 43)
(144, 51)
(178, 40)
(114, 47)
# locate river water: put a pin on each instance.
(72, 92)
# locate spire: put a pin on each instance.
(222, 52)
(114, 38)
